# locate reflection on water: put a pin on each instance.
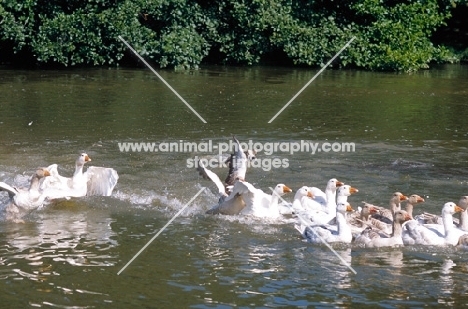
(446, 277)
(63, 236)
(408, 136)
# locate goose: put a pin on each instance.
(297, 205)
(57, 186)
(324, 217)
(395, 201)
(369, 239)
(343, 192)
(429, 234)
(323, 201)
(237, 163)
(257, 202)
(412, 200)
(386, 215)
(463, 203)
(358, 219)
(24, 200)
(363, 219)
(95, 181)
(342, 232)
(231, 207)
(372, 218)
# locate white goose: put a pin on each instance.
(95, 181)
(343, 192)
(233, 206)
(257, 202)
(369, 239)
(325, 217)
(340, 233)
(24, 200)
(429, 234)
(57, 186)
(323, 201)
(298, 200)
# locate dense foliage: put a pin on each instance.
(391, 35)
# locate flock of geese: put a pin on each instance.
(326, 216)
(47, 185)
(321, 216)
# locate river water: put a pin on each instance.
(409, 131)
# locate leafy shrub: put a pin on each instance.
(391, 35)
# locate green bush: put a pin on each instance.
(391, 35)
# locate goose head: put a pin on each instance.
(42, 172)
(334, 183)
(415, 199)
(398, 197)
(451, 208)
(37, 176)
(281, 189)
(82, 159)
(368, 209)
(303, 191)
(401, 216)
(251, 154)
(343, 207)
(346, 190)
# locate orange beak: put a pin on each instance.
(420, 200)
(349, 208)
(87, 159)
(408, 217)
(309, 194)
(353, 190)
(458, 208)
(286, 189)
(373, 210)
(46, 172)
(403, 198)
(339, 183)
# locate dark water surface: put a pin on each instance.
(410, 134)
